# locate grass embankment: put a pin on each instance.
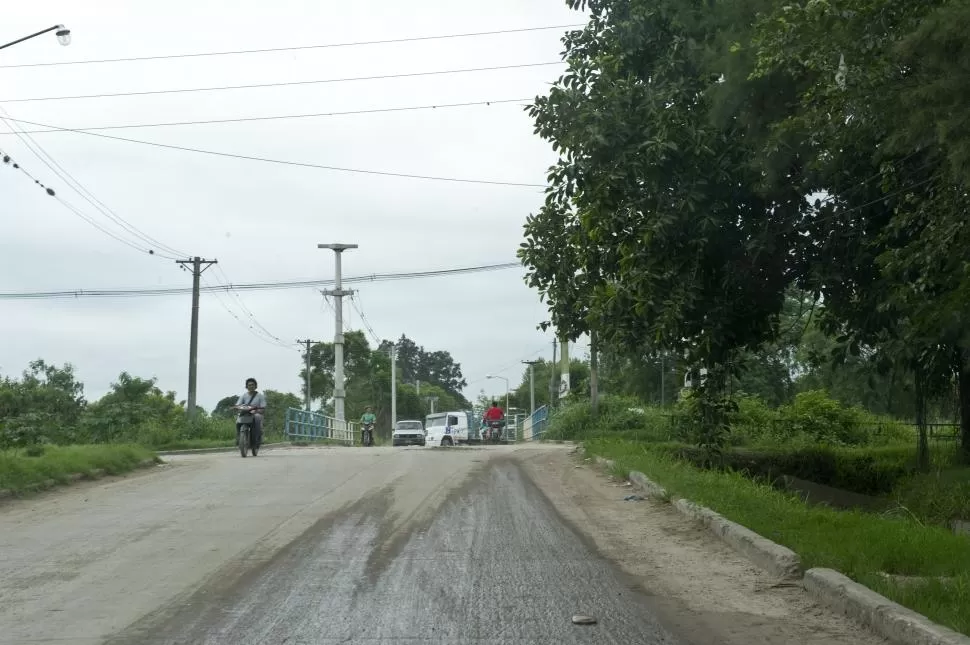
(863, 546)
(31, 469)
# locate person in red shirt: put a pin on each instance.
(494, 413)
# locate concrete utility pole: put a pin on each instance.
(198, 267)
(393, 350)
(552, 375)
(594, 387)
(532, 384)
(307, 397)
(339, 395)
(432, 400)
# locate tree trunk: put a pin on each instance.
(964, 388)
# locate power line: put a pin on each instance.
(78, 212)
(223, 88)
(252, 286)
(355, 302)
(38, 151)
(272, 340)
(281, 116)
(296, 48)
(285, 162)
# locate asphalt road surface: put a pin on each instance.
(380, 545)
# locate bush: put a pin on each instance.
(868, 472)
(938, 497)
(619, 417)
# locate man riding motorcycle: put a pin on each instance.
(368, 419)
(255, 401)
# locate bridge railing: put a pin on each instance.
(535, 425)
(313, 426)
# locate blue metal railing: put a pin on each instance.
(536, 425)
(311, 426)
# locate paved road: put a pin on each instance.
(345, 545)
(310, 546)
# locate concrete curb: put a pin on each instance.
(878, 613)
(778, 560)
(774, 558)
(884, 617)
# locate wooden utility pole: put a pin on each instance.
(307, 395)
(198, 267)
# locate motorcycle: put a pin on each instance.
(244, 438)
(367, 434)
(493, 431)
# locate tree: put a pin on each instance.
(132, 403)
(43, 406)
(416, 364)
(657, 227)
(519, 397)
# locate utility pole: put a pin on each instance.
(594, 393)
(307, 396)
(552, 374)
(393, 350)
(339, 395)
(532, 384)
(432, 400)
(198, 267)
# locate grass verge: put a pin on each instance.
(22, 470)
(863, 546)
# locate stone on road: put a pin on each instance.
(343, 545)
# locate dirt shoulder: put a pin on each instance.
(704, 591)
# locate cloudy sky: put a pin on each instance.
(263, 221)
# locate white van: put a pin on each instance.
(448, 428)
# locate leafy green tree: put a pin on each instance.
(43, 406)
(131, 404)
(435, 367)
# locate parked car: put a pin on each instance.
(409, 433)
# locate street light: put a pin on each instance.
(506, 389)
(63, 36)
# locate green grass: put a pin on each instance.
(860, 545)
(25, 470)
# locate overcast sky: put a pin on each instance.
(263, 221)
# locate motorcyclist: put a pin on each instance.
(256, 402)
(368, 419)
(494, 413)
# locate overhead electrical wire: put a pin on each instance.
(387, 41)
(79, 213)
(285, 162)
(356, 304)
(251, 328)
(252, 286)
(224, 88)
(280, 117)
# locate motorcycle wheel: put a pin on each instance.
(243, 441)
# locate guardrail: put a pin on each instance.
(536, 424)
(313, 426)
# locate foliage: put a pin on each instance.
(432, 367)
(41, 406)
(21, 470)
(519, 397)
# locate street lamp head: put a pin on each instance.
(63, 35)
(489, 376)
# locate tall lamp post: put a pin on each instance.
(506, 389)
(63, 36)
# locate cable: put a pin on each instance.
(38, 151)
(356, 304)
(298, 48)
(282, 116)
(50, 191)
(284, 162)
(224, 88)
(246, 309)
(273, 340)
(253, 286)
